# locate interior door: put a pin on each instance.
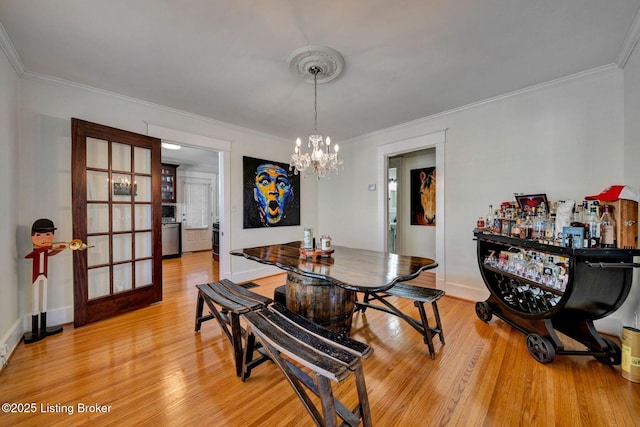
(197, 215)
(117, 211)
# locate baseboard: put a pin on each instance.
(464, 292)
(59, 316)
(14, 335)
(11, 340)
(609, 325)
(257, 273)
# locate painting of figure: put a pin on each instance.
(271, 194)
(423, 196)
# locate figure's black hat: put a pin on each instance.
(42, 225)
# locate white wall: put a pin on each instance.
(9, 101)
(564, 138)
(45, 165)
(631, 308)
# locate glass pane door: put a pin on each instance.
(115, 209)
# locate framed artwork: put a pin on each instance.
(531, 201)
(271, 194)
(124, 189)
(423, 196)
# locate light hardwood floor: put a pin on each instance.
(150, 368)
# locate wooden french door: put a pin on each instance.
(117, 211)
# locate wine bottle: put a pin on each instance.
(607, 228)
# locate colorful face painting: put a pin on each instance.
(271, 197)
(272, 192)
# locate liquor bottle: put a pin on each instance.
(515, 228)
(497, 222)
(592, 230)
(489, 219)
(528, 228)
(607, 228)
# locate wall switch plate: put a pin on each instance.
(372, 187)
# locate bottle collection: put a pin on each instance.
(541, 268)
(562, 223)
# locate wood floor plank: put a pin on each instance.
(151, 368)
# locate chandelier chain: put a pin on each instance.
(320, 159)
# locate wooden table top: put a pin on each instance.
(354, 269)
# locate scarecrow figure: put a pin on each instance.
(42, 233)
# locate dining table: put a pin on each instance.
(323, 286)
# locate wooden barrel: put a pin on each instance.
(320, 301)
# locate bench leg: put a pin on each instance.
(363, 397)
(236, 336)
(430, 332)
(436, 314)
(426, 332)
(326, 399)
(199, 309)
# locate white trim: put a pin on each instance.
(11, 339)
(7, 46)
(224, 182)
(467, 293)
(188, 138)
(432, 140)
(424, 120)
(30, 75)
(629, 42)
(256, 273)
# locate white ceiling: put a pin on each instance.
(227, 59)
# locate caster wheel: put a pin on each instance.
(483, 311)
(615, 355)
(540, 348)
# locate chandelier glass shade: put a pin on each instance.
(320, 159)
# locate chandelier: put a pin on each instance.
(320, 159)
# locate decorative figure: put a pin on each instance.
(42, 233)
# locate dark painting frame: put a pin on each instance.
(423, 196)
(528, 201)
(276, 209)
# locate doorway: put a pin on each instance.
(393, 205)
(406, 236)
(221, 150)
(197, 205)
(435, 141)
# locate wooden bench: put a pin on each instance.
(226, 302)
(419, 295)
(310, 357)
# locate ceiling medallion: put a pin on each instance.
(328, 60)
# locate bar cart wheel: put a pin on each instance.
(541, 348)
(614, 357)
(483, 311)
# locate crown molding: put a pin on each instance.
(629, 42)
(10, 51)
(29, 75)
(424, 120)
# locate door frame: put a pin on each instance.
(434, 140)
(224, 182)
